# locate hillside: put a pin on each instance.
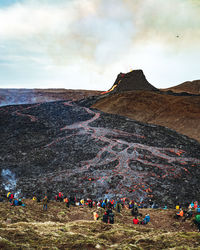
(60, 146)
(181, 113)
(74, 228)
(133, 96)
(192, 87)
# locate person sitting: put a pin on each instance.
(135, 220)
(191, 205)
(66, 200)
(146, 219)
(82, 202)
(10, 197)
(195, 205)
(179, 214)
(188, 214)
(95, 215)
(15, 202)
(198, 209)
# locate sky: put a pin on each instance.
(85, 44)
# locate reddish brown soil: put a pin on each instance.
(181, 113)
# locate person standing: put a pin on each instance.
(45, 201)
(118, 207)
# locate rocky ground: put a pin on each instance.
(60, 146)
(62, 228)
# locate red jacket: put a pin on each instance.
(60, 195)
(135, 221)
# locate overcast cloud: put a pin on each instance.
(84, 44)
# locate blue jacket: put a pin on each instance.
(16, 203)
(146, 219)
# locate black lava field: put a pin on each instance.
(61, 146)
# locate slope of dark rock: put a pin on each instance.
(61, 146)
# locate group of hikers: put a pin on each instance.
(192, 211)
(14, 201)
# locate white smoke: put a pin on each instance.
(9, 180)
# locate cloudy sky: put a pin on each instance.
(84, 44)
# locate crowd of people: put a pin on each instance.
(193, 210)
(108, 205)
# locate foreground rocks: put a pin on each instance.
(60, 146)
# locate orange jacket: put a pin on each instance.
(180, 213)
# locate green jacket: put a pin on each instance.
(197, 218)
